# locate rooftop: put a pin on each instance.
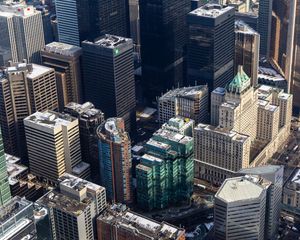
(242, 27)
(85, 110)
(219, 90)
(38, 71)
(110, 41)
(62, 49)
(17, 9)
(266, 169)
(140, 225)
(211, 10)
(242, 189)
(189, 92)
(173, 136)
(240, 82)
(14, 169)
(269, 74)
(265, 105)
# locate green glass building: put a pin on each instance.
(165, 174)
(5, 195)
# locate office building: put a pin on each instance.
(17, 220)
(110, 85)
(240, 208)
(247, 43)
(180, 125)
(119, 223)
(85, 20)
(211, 46)
(217, 97)
(273, 174)
(21, 32)
(291, 194)
(264, 26)
(53, 144)
(5, 194)
(115, 160)
(25, 89)
(73, 208)
(250, 18)
(65, 59)
(134, 11)
(164, 35)
(166, 171)
(89, 119)
(188, 102)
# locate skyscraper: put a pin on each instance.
(25, 88)
(5, 194)
(163, 42)
(65, 59)
(115, 160)
(21, 32)
(211, 46)
(264, 26)
(80, 20)
(89, 119)
(54, 146)
(109, 77)
(247, 43)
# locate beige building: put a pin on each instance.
(54, 146)
(24, 89)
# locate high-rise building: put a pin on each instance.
(264, 26)
(180, 125)
(240, 208)
(211, 46)
(166, 172)
(25, 88)
(89, 119)
(119, 223)
(115, 160)
(188, 102)
(164, 37)
(53, 144)
(247, 43)
(81, 20)
(73, 208)
(5, 194)
(65, 59)
(17, 220)
(274, 174)
(21, 30)
(291, 194)
(110, 85)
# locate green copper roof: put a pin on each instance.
(240, 82)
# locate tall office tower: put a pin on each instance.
(211, 46)
(21, 32)
(89, 119)
(250, 18)
(115, 160)
(65, 59)
(166, 172)
(217, 98)
(119, 223)
(17, 220)
(135, 34)
(110, 85)
(81, 20)
(5, 194)
(73, 208)
(188, 102)
(247, 43)
(25, 88)
(274, 174)
(163, 41)
(219, 153)
(240, 209)
(264, 26)
(54, 146)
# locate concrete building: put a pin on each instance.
(110, 85)
(274, 174)
(166, 171)
(53, 144)
(247, 42)
(21, 32)
(119, 223)
(240, 209)
(17, 220)
(180, 125)
(25, 89)
(65, 59)
(187, 102)
(211, 46)
(73, 208)
(115, 160)
(217, 97)
(89, 119)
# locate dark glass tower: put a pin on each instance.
(211, 46)
(163, 41)
(109, 77)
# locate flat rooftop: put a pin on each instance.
(86, 109)
(14, 169)
(220, 91)
(140, 225)
(17, 9)
(267, 106)
(211, 10)
(189, 92)
(173, 136)
(269, 74)
(242, 27)
(111, 41)
(62, 49)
